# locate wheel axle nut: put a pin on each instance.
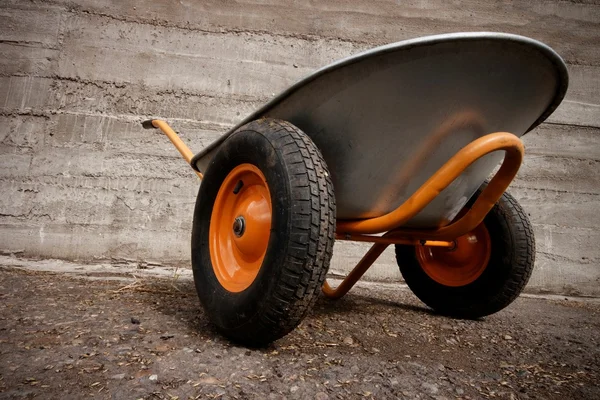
(239, 226)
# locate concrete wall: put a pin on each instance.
(80, 179)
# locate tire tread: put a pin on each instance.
(292, 301)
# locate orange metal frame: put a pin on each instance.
(370, 230)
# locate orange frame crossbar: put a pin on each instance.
(370, 230)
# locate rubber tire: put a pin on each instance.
(301, 241)
(508, 271)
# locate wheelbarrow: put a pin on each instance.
(392, 146)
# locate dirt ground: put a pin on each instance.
(109, 337)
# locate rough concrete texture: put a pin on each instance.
(80, 179)
(115, 337)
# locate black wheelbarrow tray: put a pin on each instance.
(394, 145)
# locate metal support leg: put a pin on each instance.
(358, 271)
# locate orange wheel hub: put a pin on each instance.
(460, 265)
(240, 227)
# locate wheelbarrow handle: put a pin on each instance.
(183, 149)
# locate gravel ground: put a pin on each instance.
(113, 337)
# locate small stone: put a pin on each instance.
(153, 378)
(493, 376)
(348, 340)
(430, 387)
(118, 377)
(209, 380)
(459, 391)
(123, 349)
(321, 396)
(294, 389)
(187, 350)
(354, 369)
(162, 348)
(507, 337)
